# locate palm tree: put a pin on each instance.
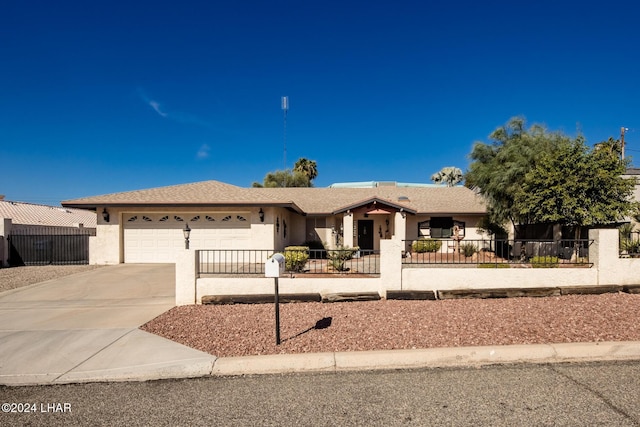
(448, 175)
(307, 168)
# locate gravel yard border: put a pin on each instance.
(249, 329)
(17, 277)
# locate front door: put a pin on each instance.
(365, 234)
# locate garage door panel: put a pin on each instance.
(159, 237)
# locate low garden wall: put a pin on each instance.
(607, 269)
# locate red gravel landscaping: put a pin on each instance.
(242, 330)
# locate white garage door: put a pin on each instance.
(157, 237)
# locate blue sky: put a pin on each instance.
(102, 97)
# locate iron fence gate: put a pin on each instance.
(48, 246)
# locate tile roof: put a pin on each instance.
(32, 214)
(439, 200)
(197, 193)
(312, 201)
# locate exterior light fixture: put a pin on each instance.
(277, 225)
(187, 232)
(261, 215)
(105, 215)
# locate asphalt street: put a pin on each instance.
(577, 394)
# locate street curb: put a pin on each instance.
(335, 362)
(426, 358)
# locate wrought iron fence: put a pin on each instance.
(337, 261)
(630, 244)
(313, 261)
(537, 253)
(233, 261)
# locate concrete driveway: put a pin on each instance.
(84, 327)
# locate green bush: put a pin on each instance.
(468, 249)
(340, 255)
(296, 257)
(426, 245)
(631, 246)
(544, 261)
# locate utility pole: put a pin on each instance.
(622, 131)
(285, 107)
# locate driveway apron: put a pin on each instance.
(84, 327)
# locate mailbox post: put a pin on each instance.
(274, 267)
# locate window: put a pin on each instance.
(439, 227)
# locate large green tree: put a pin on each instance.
(499, 167)
(533, 175)
(302, 175)
(577, 186)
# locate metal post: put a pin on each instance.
(277, 301)
(622, 129)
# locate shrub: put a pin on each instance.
(544, 261)
(339, 256)
(426, 245)
(632, 246)
(468, 249)
(296, 257)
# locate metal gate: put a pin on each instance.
(49, 245)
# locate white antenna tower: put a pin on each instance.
(285, 107)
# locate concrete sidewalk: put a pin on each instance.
(84, 328)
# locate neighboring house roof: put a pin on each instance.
(311, 201)
(371, 184)
(50, 216)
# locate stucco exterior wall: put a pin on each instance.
(297, 229)
(608, 269)
(262, 285)
(433, 279)
(613, 270)
(106, 246)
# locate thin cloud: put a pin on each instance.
(203, 151)
(176, 116)
(156, 108)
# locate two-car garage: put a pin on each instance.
(156, 237)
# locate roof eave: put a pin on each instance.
(376, 200)
(94, 205)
